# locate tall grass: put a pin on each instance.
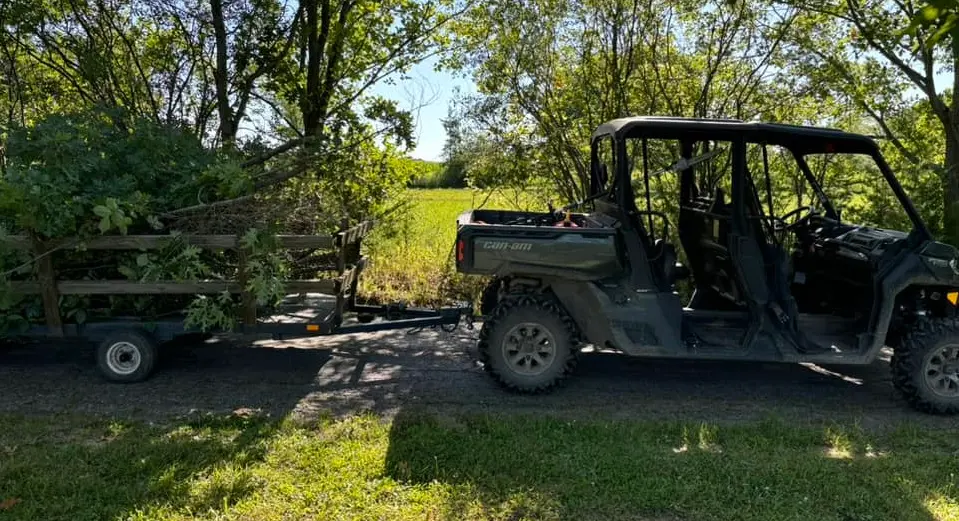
(437, 175)
(411, 253)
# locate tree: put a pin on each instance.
(251, 40)
(941, 17)
(549, 72)
(869, 52)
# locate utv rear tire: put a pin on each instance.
(529, 344)
(924, 365)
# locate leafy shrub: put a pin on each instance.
(100, 172)
(80, 174)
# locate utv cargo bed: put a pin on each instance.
(495, 242)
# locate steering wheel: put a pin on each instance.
(805, 211)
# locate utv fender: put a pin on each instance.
(907, 273)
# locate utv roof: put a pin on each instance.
(803, 139)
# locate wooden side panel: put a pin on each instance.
(126, 287)
(153, 242)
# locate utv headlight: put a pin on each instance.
(954, 264)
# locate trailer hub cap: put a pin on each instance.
(529, 348)
(942, 371)
(123, 358)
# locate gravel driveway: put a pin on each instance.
(383, 372)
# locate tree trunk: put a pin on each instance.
(950, 179)
(228, 127)
(950, 187)
(317, 31)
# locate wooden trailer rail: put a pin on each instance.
(346, 243)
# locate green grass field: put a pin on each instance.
(470, 467)
(411, 254)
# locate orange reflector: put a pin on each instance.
(312, 327)
(460, 247)
(953, 296)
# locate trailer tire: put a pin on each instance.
(924, 358)
(127, 356)
(511, 337)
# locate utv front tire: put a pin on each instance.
(925, 366)
(529, 344)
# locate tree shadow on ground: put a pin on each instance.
(384, 372)
(217, 377)
(94, 470)
(541, 468)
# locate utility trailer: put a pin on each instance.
(128, 346)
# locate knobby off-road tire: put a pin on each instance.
(921, 364)
(529, 344)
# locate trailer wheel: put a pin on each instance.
(127, 356)
(529, 345)
(925, 366)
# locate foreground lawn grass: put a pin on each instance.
(473, 467)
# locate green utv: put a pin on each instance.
(771, 268)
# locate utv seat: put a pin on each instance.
(664, 260)
(715, 243)
(705, 236)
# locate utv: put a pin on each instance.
(772, 269)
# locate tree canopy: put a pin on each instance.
(548, 72)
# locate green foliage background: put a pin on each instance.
(225, 117)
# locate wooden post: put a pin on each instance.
(341, 246)
(247, 301)
(352, 256)
(341, 268)
(48, 287)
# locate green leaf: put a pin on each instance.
(944, 30)
(143, 259)
(154, 222)
(101, 211)
(928, 14)
(104, 225)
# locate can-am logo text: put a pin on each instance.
(506, 245)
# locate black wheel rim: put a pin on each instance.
(941, 371)
(529, 349)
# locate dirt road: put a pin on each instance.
(385, 372)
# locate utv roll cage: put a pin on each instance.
(798, 140)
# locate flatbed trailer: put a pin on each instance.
(128, 345)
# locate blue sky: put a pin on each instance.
(436, 90)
